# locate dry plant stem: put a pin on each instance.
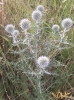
(5, 88)
(3, 12)
(20, 95)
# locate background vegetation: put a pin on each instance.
(14, 85)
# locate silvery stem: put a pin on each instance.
(36, 33)
(14, 39)
(26, 38)
(39, 86)
(62, 36)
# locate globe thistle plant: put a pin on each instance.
(55, 28)
(33, 45)
(67, 23)
(43, 61)
(40, 8)
(36, 15)
(10, 28)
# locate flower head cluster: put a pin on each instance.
(40, 8)
(67, 23)
(14, 33)
(10, 28)
(25, 24)
(43, 61)
(55, 28)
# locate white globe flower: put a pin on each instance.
(25, 24)
(36, 15)
(40, 8)
(10, 28)
(16, 33)
(43, 61)
(67, 23)
(55, 28)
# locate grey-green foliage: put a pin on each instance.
(34, 45)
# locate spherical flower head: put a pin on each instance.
(67, 23)
(16, 33)
(36, 15)
(43, 61)
(55, 28)
(40, 8)
(10, 28)
(25, 24)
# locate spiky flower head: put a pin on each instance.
(36, 15)
(55, 28)
(25, 24)
(43, 61)
(67, 23)
(40, 8)
(10, 28)
(16, 33)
